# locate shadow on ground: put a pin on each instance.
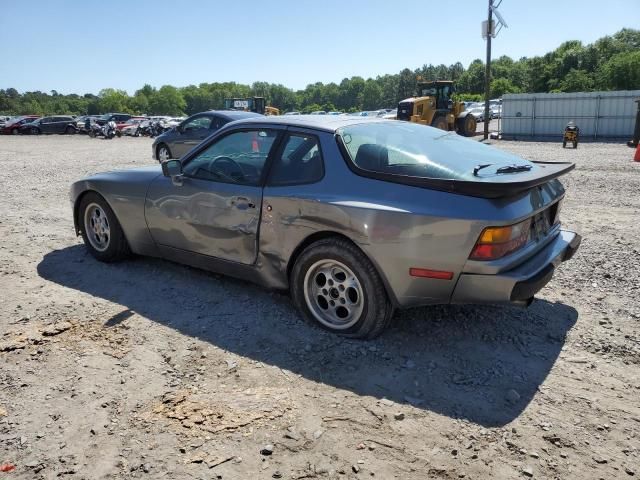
(459, 361)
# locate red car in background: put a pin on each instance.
(13, 127)
(126, 123)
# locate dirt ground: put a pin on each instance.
(147, 369)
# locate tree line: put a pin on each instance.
(610, 63)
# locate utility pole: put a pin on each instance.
(487, 71)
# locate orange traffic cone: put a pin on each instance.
(636, 158)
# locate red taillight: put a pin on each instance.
(496, 242)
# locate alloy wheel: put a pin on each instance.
(333, 294)
(96, 226)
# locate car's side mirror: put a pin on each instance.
(173, 170)
(179, 128)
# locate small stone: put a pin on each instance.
(317, 434)
(534, 455)
(361, 446)
(563, 455)
(146, 468)
(277, 474)
(629, 472)
(600, 460)
(512, 396)
(528, 471)
(56, 329)
(454, 452)
(355, 468)
(399, 416)
(267, 450)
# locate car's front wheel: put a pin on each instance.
(336, 286)
(101, 231)
(163, 153)
(70, 130)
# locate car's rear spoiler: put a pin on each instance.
(498, 186)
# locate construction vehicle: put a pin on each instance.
(571, 135)
(251, 104)
(434, 106)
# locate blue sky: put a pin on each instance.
(83, 46)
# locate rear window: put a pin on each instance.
(409, 149)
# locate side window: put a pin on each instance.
(235, 158)
(197, 123)
(300, 162)
(217, 123)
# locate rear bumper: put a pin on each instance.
(522, 282)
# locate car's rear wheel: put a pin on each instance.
(336, 286)
(70, 131)
(163, 153)
(15, 131)
(101, 231)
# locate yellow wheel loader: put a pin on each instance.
(433, 106)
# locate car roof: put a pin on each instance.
(235, 114)
(328, 123)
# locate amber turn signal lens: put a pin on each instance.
(496, 242)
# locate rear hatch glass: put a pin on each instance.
(414, 154)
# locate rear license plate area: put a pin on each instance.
(540, 225)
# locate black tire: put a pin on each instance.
(377, 309)
(118, 133)
(35, 131)
(70, 130)
(467, 125)
(15, 131)
(161, 147)
(564, 144)
(440, 122)
(575, 144)
(117, 248)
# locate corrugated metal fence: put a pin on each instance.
(598, 114)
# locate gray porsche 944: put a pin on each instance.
(355, 217)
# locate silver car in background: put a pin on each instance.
(354, 216)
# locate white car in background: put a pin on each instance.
(172, 122)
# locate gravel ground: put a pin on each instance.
(148, 369)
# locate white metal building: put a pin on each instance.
(599, 115)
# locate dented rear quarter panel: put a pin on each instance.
(397, 226)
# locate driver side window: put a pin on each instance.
(235, 158)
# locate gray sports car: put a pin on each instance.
(356, 217)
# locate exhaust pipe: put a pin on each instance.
(523, 303)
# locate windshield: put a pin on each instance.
(410, 149)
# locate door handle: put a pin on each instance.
(242, 203)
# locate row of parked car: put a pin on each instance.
(477, 109)
(67, 124)
(382, 113)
